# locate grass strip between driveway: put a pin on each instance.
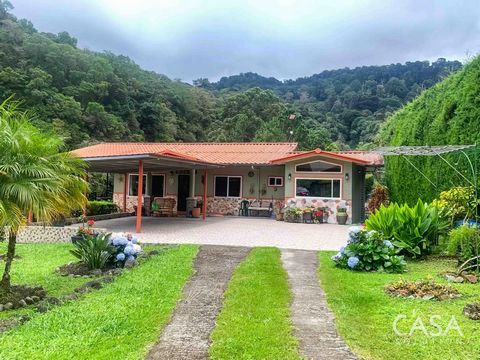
(365, 315)
(255, 320)
(119, 321)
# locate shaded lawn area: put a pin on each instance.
(365, 315)
(37, 267)
(255, 320)
(119, 321)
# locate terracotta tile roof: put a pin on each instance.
(217, 153)
(359, 157)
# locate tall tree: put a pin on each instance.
(35, 176)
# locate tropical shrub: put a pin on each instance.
(458, 203)
(94, 251)
(101, 207)
(379, 196)
(126, 248)
(464, 242)
(412, 229)
(368, 251)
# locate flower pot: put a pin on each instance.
(196, 212)
(76, 238)
(307, 217)
(342, 218)
(279, 216)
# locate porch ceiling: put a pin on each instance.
(151, 162)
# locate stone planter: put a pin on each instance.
(342, 218)
(196, 212)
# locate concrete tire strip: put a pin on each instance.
(187, 336)
(314, 323)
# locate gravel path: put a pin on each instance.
(187, 335)
(312, 319)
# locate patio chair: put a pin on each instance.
(244, 207)
(164, 206)
(258, 207)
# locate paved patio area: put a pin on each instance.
(233, 231)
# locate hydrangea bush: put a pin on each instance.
(367, 251)
(126, 248)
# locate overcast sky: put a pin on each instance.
(188, 39)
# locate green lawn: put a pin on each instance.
(37, 267)
(254, 322)
(365, 315)
(119, 321)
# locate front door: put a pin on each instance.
(183, 192)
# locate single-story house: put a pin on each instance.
(224, 174)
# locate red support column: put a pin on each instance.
(125, 189)
(30, 217)
(138, 227)
(204, 194)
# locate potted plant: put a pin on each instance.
(84, 231)
(289, 214)
(307, 215)
(196, 211)
(342, 215)
(318, 216)
(155, 209)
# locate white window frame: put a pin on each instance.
(276, 178)
(164, 182)
(228, 186)
(145, 179)
(320, 197)
(319, 172)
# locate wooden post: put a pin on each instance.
(204, 194)
(125, 189)
(138, 227)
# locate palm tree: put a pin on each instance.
(35, 176)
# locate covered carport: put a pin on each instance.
(142, 163)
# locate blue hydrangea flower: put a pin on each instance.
(387, 243)
(342, 250)
(353, 234)
(337, 256)
(122, 241)
(128, 250)
(134, 240)
(352, 262)
(120, 257)
(131, 258)
(137, 248)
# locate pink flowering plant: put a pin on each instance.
(368, 251)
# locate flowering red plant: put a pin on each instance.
(90, 222)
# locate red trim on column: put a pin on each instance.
(30, 217)
(204, 194)
(138, 227)
(125, 189)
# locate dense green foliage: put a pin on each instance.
(365, 315)
(369, 251)
(457, 203)
(412, 229)
(119, 321)
(94, 251)
(255, 320)
(464, 242)
(448, 113)
(101, 207)
(88, 96)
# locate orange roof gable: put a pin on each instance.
(216, 153)
(358, 157)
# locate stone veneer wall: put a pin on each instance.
(330, 204)
(47, 234)
(229, 206)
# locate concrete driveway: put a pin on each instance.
(233, 231)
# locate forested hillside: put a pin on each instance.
(88, 96)
(448, 113)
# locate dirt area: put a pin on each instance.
(187, 336)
